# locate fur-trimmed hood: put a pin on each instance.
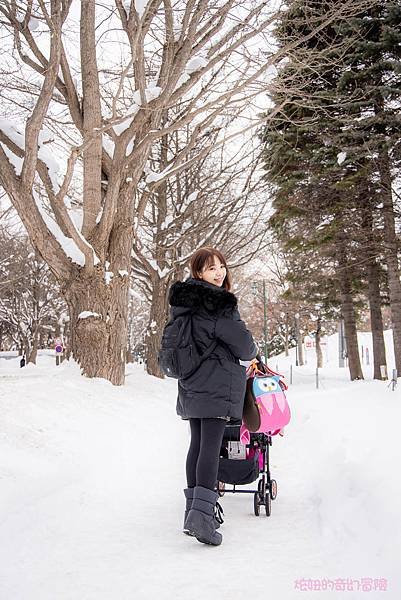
(196, 294)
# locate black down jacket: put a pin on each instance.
(217, 388)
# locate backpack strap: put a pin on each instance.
(204, 356)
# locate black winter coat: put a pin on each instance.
(217, 388)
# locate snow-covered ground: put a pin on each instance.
(91, 501)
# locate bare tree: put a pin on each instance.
(217, 200)
(94, 98)
(30, 302)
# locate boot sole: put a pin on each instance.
(203, 541)
(193, 526)
(187, 532)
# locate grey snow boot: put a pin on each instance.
(201, 520)
(189, 495)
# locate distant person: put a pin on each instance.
(214, 393)
(22, 361)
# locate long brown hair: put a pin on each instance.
(204, 257)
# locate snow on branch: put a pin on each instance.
(67, 243)
(16, 134)
(85, 314)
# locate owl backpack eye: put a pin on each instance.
(267, 384)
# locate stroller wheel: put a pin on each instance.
(268, 505)
(273, 489)
(262, 488)
(221, 488)
(256, 502)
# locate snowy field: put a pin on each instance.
(91, 501)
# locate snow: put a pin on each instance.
(16, 133)
(13, 131)
(92, 504)
(195, 64)
(99, 215)
(15, 160)
(68, 244)
(341, 156)
(167, 221)
(192, 197)
(152, 176)
(87, 313)
(33, 24)
(108, 146)
(46, 155)
(181, 80)
(123, 273)
(151, 92)
(161, 272)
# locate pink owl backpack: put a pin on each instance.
(270, 412)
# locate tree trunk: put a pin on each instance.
(298, 337)
(373, 277)
(376, 319)
(32, 356)
(319, 353)
(391, 254)
(41, 342)
(348, 314)
(157, 321)
(98, 339)
(301, 361)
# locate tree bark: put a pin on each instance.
(376, 319)
(98, 341)
(33, 353)
(372, 271)
(92, 118)
(391, 253)
(348, 314)
(157, 321)
(298, 337)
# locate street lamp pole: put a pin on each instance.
(265, 318)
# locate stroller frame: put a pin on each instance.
(267, 487)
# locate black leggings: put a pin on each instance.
(204, 451)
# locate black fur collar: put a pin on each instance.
(196, 294)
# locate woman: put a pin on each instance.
(214, 394)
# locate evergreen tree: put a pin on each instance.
(324, 156)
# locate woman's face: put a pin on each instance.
(214, 273)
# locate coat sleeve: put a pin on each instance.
(233, 332)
